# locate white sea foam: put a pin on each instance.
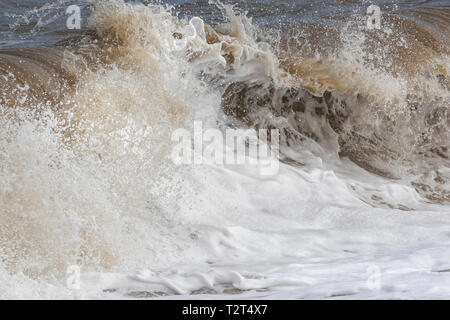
(92, 184)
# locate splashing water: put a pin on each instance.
(86, 176)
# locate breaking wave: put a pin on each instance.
(85, 125)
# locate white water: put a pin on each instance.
(140, 227)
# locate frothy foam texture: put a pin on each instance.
(85, 142)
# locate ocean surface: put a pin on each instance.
(92, 205)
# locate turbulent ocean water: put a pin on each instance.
(360, 205)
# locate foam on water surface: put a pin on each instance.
(86, 176)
